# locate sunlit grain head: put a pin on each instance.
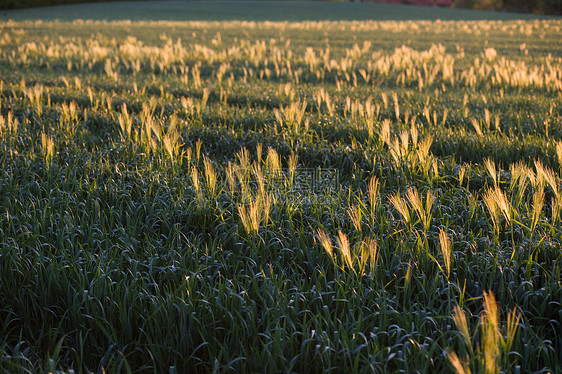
(345, 250)
(325, 242)
(400, 205)
(445, 246)
(490, 339)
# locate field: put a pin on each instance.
(250, 10)
(242, 196)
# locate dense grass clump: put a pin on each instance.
(264, 197)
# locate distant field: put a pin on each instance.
(346, 197)
(251, 11)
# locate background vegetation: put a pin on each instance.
(540, 6)
(280, 196)
(250, 10)
(15, 4)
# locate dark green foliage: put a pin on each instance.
(16, 4)
(536, 6)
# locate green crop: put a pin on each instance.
(346, 196)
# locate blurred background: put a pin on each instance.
(521, 6)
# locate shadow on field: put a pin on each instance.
(249, 11)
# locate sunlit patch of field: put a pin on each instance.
(352, 196)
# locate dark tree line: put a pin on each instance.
(14, 4)
(531, 6)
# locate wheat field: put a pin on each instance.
(258, 196)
